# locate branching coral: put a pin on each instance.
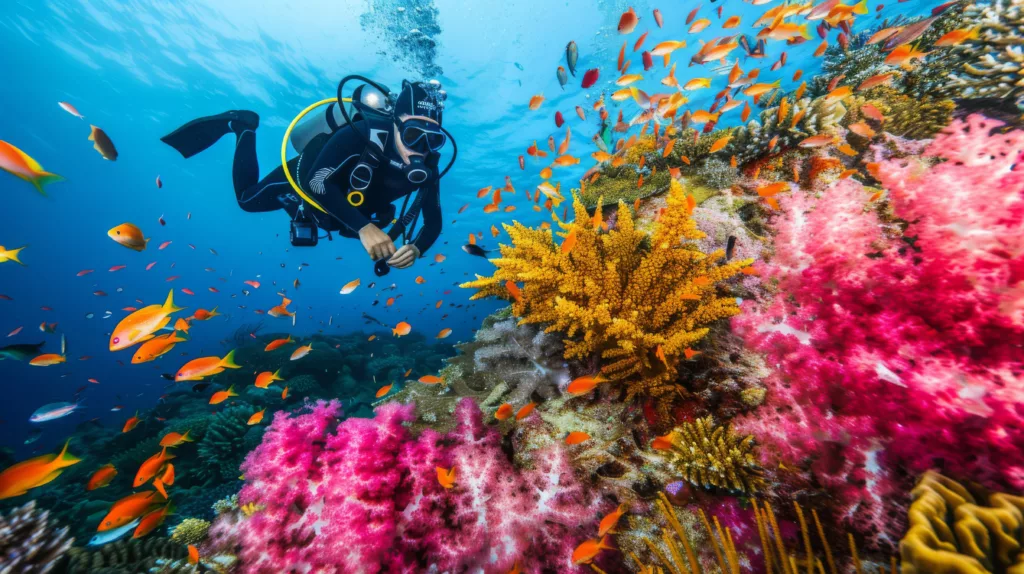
(363, 495)
(29, 542)
(683, 541)
(636, 302)
(869, 332)
(525, 357)
(709, 455)
(818, 117)
(991, 65)
(955, 531)
(224, 445)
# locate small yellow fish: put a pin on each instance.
(129, 236)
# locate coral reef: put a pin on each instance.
(620, 184)
(190, 531)
(953, 530)
(227, 441)
(363, 495)
(716, 173)
(992, 65)
(125, 556)
(709, 455)
(725, 539)
(637, 302)
(874, 326)
(819, 116)
(29, 542)
(918, 117)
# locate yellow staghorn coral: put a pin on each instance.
(953, 531)
(678, 545)
(709, 455)
(635, 301)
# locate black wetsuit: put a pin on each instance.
(322, 170)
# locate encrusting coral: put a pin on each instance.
(636, 302)
(709, 455)
(29, 542)
(190, 531)
(955, 531)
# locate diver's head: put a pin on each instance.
(418, 135)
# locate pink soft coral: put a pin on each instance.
(363, 496)
(891, 358)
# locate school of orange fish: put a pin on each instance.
(665, 114)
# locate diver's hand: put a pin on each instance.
(405, 256)
(377, 243)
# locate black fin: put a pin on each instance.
(199, 134)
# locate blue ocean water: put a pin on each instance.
(140, 69)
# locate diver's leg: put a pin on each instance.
(201, 133)
(253, 195)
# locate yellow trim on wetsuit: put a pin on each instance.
(284, 149)
(354, 203)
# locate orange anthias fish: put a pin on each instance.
(174, 439)
(129, 236)
(140, 325)
(101, 477)
(588, 550)
(525, 411)
(536, 101)
(193, 554)
(383, 391)
(26, 475)
(156, 347)
(152, 467)
(443, 333)
(446, 477)
(576, 437)
(21, 165)
(221, 396)
(585, 384)
(503, 412)
(48, 360)
(282, 309)
(611, 520)
(204, 315)
(277, 343)
(628, 21)
(129, 508)
(430, 380)
(152, 520)
(256, 418)
(305, 350)
(401, 329)
(266, 378)
(197, 369)
(131, 423)
(569, 243)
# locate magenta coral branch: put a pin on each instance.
(362, 496)
(891, 357)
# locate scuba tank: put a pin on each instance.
(364, 97)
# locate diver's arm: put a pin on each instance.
(431, 229)
(329, 183)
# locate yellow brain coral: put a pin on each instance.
(636, 301)
(953, 531)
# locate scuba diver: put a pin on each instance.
(353, 163)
